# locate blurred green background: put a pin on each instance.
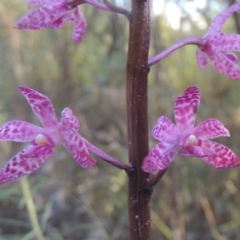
(193, 201)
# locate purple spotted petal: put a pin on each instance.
(165, 130)
(209, 129)
(193, 151)
(160, 157)
(39, 150)
(80, 25)
(69, 119)
(69, 17)
(41, 106)
(219, 156)
(232, 57)
(75, 145)
(225, 65)
(227, 43)
(25, 162)
(186, 108)
(220, 20)
(19, 131)
(150, 164)
(32, 3)
(43, 17)
(201, 59)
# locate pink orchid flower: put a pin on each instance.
(218, 47)
(191, 141)
(53, 14)
(215, 46)
(42, 140)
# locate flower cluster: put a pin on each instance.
(187, 139)
(181, 138)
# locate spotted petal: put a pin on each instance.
(220, 20)
(193, 151)
(209, 129)
(43, 17)
(219, 156)
(74, 143)
(232, 56)
(186, 108)
(80, 25)
(160, 157)
(25, 162)
(19, 131)
(69, 119)
(201, 59)
(225, 65)
(45, 2)
(165, 130)
(41, 106)
(227, 43)
(76, 146)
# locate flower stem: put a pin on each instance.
(155, 179)
(105, 5)
(127, 167)
(185, 41)
(31, 208)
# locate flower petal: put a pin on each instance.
(165, 130)
(209, 129)
(219, 156)
(227, 43)
(45, 2)
(41, 106)
(201, 59)
(25, 162)
(225, 65)
(220, 20)
(186, 108)
(69, 17)
(78, 150)
(43, 17)
(74, 143)
(193, 151)
(19, 131)
(80, 25)
(160, 157)
(69, 119)
(232, 57)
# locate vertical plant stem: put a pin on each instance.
(137, 120)
(31, 208)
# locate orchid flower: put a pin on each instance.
(219, 47)
(190, 141)
(215, 46)
(43, 140)
(52, 14)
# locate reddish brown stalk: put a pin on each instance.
(137, 120)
